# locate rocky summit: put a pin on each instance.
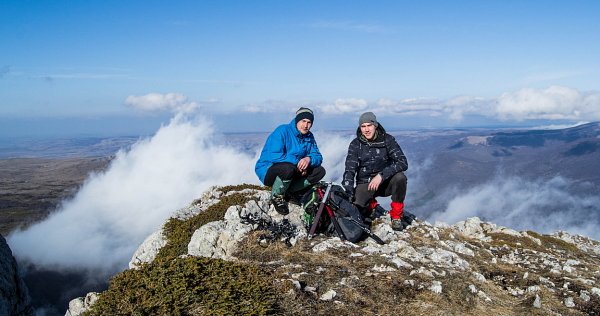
(230, 253)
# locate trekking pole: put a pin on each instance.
(335, 222)
(317, 217)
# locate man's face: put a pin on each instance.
(367, 130)
(303, 126)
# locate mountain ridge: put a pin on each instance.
(469, 268)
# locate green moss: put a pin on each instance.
(179, 232)
(226, 189)
(188, 286)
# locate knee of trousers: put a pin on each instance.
(317, 174)
(399, 179)
(285, 171)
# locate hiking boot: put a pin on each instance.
(407, 219)
(378, 211)
(397, 225)
(280, 205)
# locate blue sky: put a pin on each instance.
(126, 66)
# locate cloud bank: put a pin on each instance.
(553, 103)
(100, 228)
(543, 206)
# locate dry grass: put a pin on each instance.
(361, 291)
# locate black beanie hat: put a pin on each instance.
(304, 113)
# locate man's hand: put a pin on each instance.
(375, 182)
(303, 164)
(350, 191)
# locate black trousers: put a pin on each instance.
(289, 171)
(394, 186)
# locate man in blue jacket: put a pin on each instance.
(290, 160)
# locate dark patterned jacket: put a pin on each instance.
(366, 159)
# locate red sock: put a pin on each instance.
(372, 204)
(397, 210)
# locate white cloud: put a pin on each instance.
(274, 106)
(341, 106)
(454, 109)
(558, 126)
(109, 217)
(175, 102)
(333, 147)
(543, 205)
(553, 103)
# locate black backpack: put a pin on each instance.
(339, 215)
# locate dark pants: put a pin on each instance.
(289, 171)
(394, 186)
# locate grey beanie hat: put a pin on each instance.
(368, 117)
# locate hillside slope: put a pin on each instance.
(207, 261)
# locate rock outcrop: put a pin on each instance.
(471, 267)
(81, 304)
(14, 297)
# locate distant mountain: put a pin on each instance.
(463, 159)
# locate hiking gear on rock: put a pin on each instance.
(397, 225)
(341, 216)
(397, 210)
(366, 159)
(280, 205)
(273, 230)
(287, 144)
(304, 113)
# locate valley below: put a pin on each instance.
(31, 188)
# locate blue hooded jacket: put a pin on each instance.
(287, 144)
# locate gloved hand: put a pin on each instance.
(350, 192)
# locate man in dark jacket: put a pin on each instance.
(290, 160)
(377, 163)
